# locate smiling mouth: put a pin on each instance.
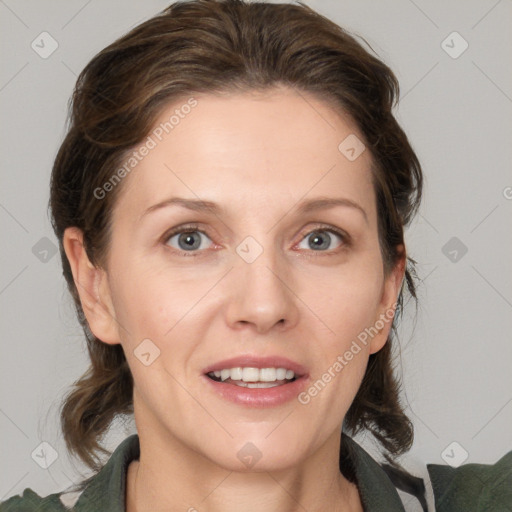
(250, 377)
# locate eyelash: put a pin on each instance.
(193, 228)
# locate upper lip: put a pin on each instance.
(251, 361)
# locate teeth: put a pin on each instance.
(254, 375)
(236, 373)
(268, 374)
(262, 384)
(243, 384)
(250, 375)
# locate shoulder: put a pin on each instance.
(104, 490)
(473, 487)
(32, 502)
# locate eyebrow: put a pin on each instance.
(311, 205)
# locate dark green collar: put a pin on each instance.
(107, 489)
(375, 488)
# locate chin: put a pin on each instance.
(258, 455)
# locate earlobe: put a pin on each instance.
(93, 289)
(390, 293)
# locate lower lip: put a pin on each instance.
(258, 397)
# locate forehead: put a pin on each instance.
(249, 151)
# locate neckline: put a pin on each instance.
(108, 488)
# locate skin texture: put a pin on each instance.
(258, 155)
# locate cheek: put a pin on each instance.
(340, 357)
(150, 306)
(347, 302)
(149, 302)
(346, 307)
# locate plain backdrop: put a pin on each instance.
(456, 108)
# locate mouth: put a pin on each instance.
(251, 377)
(256, 381)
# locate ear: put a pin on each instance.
(390, 292)
(93, 288)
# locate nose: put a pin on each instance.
(262, 296)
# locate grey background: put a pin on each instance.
(457, 114)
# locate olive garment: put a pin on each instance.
(468, 488)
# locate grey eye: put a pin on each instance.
(188, 240)
(320, 240)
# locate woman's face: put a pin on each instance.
(266, 270)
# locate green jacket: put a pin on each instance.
(471, 487)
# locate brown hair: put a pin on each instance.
(215, 46)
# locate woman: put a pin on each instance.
(230, 202)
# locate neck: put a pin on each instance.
(192, 488)
(174, 474)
